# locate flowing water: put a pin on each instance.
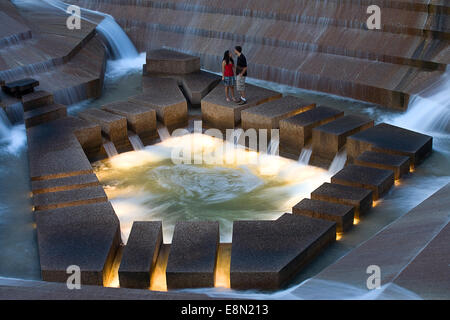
(305, 155)
(147, 185)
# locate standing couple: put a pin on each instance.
(229, 70)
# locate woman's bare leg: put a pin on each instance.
(227, 89)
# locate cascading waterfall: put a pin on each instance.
(5, 125)
(429, 111)
(136, 142)
(338, 162)
(163, 133)
(305, 155)
(110, 149)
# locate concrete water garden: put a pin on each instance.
(118, 192)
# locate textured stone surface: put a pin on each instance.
(20, 87)
(377, 180)
(192, 257)
(398, 164)
(329, 138)
(113, 126)
(141, 120)
(68, 198)
(64, 184)
(44, 114)
(296, 131)
(219, 113)
(359, 198)
(391, 139)
(140, 254)
(266, 254)
(54, 152)
(340, 213)
(165, 97)
(428, 274)
(37, 99)
(395, 248)
(268, 115)
(87, 236)
(197, 85)
(170, 61)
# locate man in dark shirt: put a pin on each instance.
(241, 73)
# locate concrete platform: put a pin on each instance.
(193, 253)
(329, 138)
(64, 184)
(398, 164)
(44, 114)
(141, 120)
(359, 198)
(391, 139)
(172, 62)
(165, 97)
(296, 131)
(140, 254)
(268, 115)
(377, 180)
(69, 198)
(37, 99)
(197, 85)
(21, 87)
(221, 114)
(341, 214)
(266, 254)
(54, 152)
(87, 236)
(88, 133)
(114, 127)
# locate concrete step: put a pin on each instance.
(193, 253)
(268, 115)
(377, 180)
(296, 131)
(140, 254)
(114, 126)
(64, 184)
(267, 254)
(398, 164)
(329, 138)
(359, 198)
(69, 198)
(341, 214)
(44, 114)
(170, 61)
(36, 100)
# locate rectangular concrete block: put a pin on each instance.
(340, 213)
(165, 97)
(141, 120)
(193, 253)
(268, 115)
(221, 114)
(390, 139)
(64, 184)
(361, 199)
(44, 114)
(113, 126)
(172, 62)
(21, 87)
(140, 254)
(37, 99)
(86, 236)
(377, 180)
(296, 131)
(329, 138)
(69, 198)
(398, 164)
(267, 254)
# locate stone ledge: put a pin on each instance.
(113, 125)
(171, 62)
(193, 253)
(266, 254)
(87, 236)
(377, 180)
(140, 254)
(398, 164)
(44, 114)
(64, 184)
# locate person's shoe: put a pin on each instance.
(242, 102)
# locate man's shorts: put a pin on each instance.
(240, 83)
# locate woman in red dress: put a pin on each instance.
(228, 72)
